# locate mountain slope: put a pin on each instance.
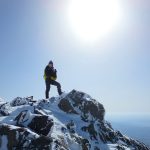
(73, 121)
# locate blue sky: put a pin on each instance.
(115, 70)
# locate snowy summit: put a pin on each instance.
(72, 121)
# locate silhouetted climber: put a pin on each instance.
(50, 75)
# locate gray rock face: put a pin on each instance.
(18, 101)
(17, 138)
(74, 121)
(66, 106)
(40, 124)
(80, 103)
(4, 108)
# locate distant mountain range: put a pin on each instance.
(72, 121)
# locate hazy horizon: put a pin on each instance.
(132, 125)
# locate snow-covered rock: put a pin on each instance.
(73, 121)
(80, 103)
(21, 101)
(14, 137)
(40, 124)
(4, 108)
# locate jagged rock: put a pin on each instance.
(80, 103)
(71, 126)
(43, 103)
(65, 105)
(21, 138)
(19, 101)
(83, 142)
(40, 124)
(91, 130)
(4, 108)
(42, 142)
(73, 121)
(23, 118)
(16, 137)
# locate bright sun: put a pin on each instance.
(92, 19)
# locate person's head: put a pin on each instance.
(50, 64)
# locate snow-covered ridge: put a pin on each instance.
(72, 121)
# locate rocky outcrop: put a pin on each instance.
(4, 108)
(18, 101)
(69, 122)
(66, 106)
(81, 103)
(40, 124)
(17, 138)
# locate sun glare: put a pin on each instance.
(92, 19)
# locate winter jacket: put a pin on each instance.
(50, 73)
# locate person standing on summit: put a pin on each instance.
(50, 76)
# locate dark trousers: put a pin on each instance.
(52, 82)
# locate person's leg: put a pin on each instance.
(58, 86)
(47, 82)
